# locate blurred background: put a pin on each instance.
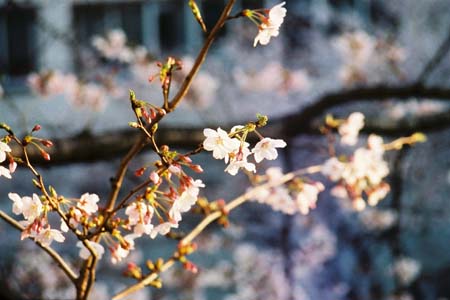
(68, 64)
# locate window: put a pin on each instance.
(97, 18)
(17, 44)
(171, 25)
(211, 11)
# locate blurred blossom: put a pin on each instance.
(377, 219)
(406, 269)
(273, 77)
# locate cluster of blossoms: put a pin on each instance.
(360, 51)
(4, 149)
(268, 22)
(52, 83)
(36, 223)
(114, 47)
(273, 77)
(296, 196)
(363, 172)
(233, 149)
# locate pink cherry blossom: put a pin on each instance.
(266, 149)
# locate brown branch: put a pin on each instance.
(53, 254)
(201, 56)
(303, 120)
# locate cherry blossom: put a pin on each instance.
(406, 269)
(333, 169)
(220, 143)
(5, 172)
(85, 253)
(18, 203)
(349, 130)
(162, 229)
(266, 149)
(48, 235)
(239, 161)
(270, 25)
(306, 199)
(140, 215)
(121, 250)
(186, 200)
(88, 203)
(3, 149)
(31, 207)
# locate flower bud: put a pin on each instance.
(190, 267)
(47, 143)
(45, 155)
(36, 127)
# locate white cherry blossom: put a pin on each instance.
(48, 235)
(5, 172)
(31, 207)
(18, 203)
(306, 199)
(266, 149)
(220, 143)
(270, 26)
(88, 203)
(3, 149)
(349, 130)
(240, 162)
(333, 168)
(85, 253)
(162, 229)
(186, 200)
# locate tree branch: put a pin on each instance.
(53, 254)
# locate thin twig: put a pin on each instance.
(201, 57)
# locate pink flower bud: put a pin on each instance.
(196, 168)
(45, 155)
(12, 166)
(190, 267)
(47, 143)
(36, 127)
(139, 172)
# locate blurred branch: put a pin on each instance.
(53, 254)
(437, 58)
(89, 148)
(302, 121)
